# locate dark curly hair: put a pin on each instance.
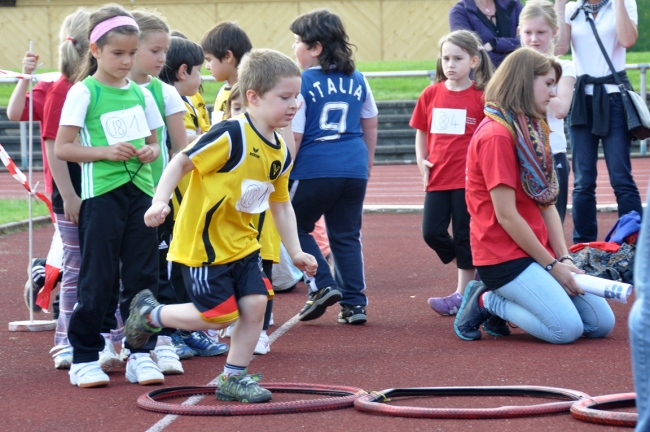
(325, 27)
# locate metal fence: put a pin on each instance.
(642, 68)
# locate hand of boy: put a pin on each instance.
(305, 262)
(120, 152)
(146, 154)
(156, 214)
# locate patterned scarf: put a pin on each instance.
(589, 8)
(531, 137)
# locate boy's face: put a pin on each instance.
(219, 69)
(278, 106)
(306, 57)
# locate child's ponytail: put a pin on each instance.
(89, 66)
(470, 43)
(73, 42)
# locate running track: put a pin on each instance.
(404, 344)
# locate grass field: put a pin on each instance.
(12, 210)
(383, 88)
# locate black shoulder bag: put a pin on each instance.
(636, 110)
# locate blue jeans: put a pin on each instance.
(538, 304)
(639, 324)
(616, 147)
(341, 201)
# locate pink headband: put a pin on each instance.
(105, 26)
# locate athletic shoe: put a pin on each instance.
(62, 356)
(136, 328)
(446, 306)
(353, 314)
(496, 326)
(35, 281)
(108, 358)
(319, 301)
(263, 345)
(88, 375)
(166, 358)
(227, 332)
(470, 315)
(141, 369)
(202, 346)
(182, 350)
(124, 353)
(242, 388)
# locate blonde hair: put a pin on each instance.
(149, 21)
(73, 42)
(471, 43)
(512, 86)
(261, 69)
(234, 94)
(540, 9)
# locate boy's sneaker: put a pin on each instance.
(62, 355)
(88, 375)
(470, 315)
(35, 281)
(227, 332)
(263, 345)
(182, 350)
(319, 301)
(496, 326)
(136, 328)
(166, 358)
(202, 345)
(353, 314)
(242, 388)
(108, 358)
(141, 369)
(446, 306)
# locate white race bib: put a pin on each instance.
(126, 125)
(254, 196)
(449, 121)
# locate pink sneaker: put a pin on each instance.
(446, 306)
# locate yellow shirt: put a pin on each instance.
(236, 171)
(196, 116)
(220, 103)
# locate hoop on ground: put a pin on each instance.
(593, 410)
(342, 397)
(372, 403)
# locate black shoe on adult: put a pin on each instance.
(318, 302)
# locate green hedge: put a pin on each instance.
(643, 44)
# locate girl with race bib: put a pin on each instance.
(445, 117)
(335, 133)
(116, 121)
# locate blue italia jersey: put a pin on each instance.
(332, 144)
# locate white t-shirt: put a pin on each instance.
(557, 138)
(78, 98)
(587, 56)
(368, 109)
(171, 99)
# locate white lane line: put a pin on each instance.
(170, 418)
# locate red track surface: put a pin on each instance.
(404, 344)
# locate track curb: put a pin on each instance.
(12, 227)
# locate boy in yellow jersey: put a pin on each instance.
(238, 169)
(224, 45)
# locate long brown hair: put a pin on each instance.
(512, 86)
(472, 45)
(109, 11)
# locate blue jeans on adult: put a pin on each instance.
(538, 304)
(639, 324)
(616, 147)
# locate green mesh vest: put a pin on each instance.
(102, 176)
(155, 86)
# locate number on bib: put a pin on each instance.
(125, 125)
(448, 121)
(254, 196)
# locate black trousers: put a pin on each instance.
(114, 243)
(440, 208)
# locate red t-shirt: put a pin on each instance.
(39, 92)
(492, 161)
(447, 152)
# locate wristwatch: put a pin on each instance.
(549, 267)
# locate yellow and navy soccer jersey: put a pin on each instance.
(202, 111)
(236, 172)
(196, 118)
(220, 103)
(269, 236)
